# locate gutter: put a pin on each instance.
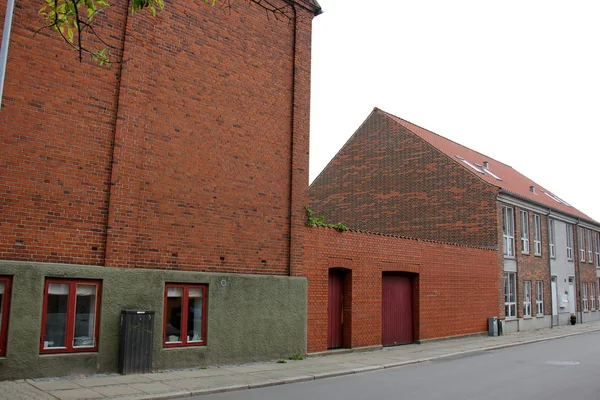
(10, 6)
(541, 205)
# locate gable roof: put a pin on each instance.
(497, 173)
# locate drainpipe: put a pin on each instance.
(578, 272)
(10, 6)
(114, 138)
(552, 299)
(292, 127)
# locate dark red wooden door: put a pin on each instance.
(396, 310)
(334, 309)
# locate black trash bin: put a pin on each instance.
(135, 348)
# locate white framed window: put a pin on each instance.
(524, 232)
(585, 296)
(569, 242)
(597, 249)
(581, 241)
(551, 239)
(510, 295)
(537, 235)
(527, 298)
(539, 298)
(589, 246)
(593, 296)
(508, 231)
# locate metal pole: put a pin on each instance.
(10, 6)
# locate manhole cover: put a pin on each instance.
(562, 362)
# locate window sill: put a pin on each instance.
(508, 319)
(525, 254)
(528, 317)
(538, 255)
(540, 316)
(186, 347)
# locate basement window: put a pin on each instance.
(185, 315)
(70, 316)
(5, 283)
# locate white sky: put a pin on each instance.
(516, 80)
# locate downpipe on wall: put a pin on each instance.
(10, 6)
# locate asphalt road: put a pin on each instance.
(558, 369)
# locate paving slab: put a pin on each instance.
(188, 383)
(58, 384)
(154, 387)
(196, 373)
(162, 376)
(21, 390)
(93, 382)
(282, 375)
(75, 394)
(137, 378)
(116, 390)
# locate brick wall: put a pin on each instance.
(386, 179)
(187, 160)
(456, 287)
(56, 128)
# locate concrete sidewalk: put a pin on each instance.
(191, 382)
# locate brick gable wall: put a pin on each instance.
(201, 127)
(387, 180)
(456, 286)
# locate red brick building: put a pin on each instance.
(395, 290)
(395, 177)
(174, 182)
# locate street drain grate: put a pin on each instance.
(562, 362)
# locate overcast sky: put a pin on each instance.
(518, 81)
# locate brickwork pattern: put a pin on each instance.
(386, 179)
(455, 290)
(185, 159)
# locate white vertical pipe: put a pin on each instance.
(10, 6)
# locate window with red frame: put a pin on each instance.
(5, 282)
(70, 316)
(185, 315)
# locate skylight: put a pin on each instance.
(556, 198)
(479, 168)
(487, 171)
(476, 168)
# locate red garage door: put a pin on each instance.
(335, 309)
(396, 310)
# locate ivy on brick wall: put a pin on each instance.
(311, 220)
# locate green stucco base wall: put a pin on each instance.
(250, 318)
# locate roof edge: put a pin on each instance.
(414, 239)
(556, 210)
(311, 5)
